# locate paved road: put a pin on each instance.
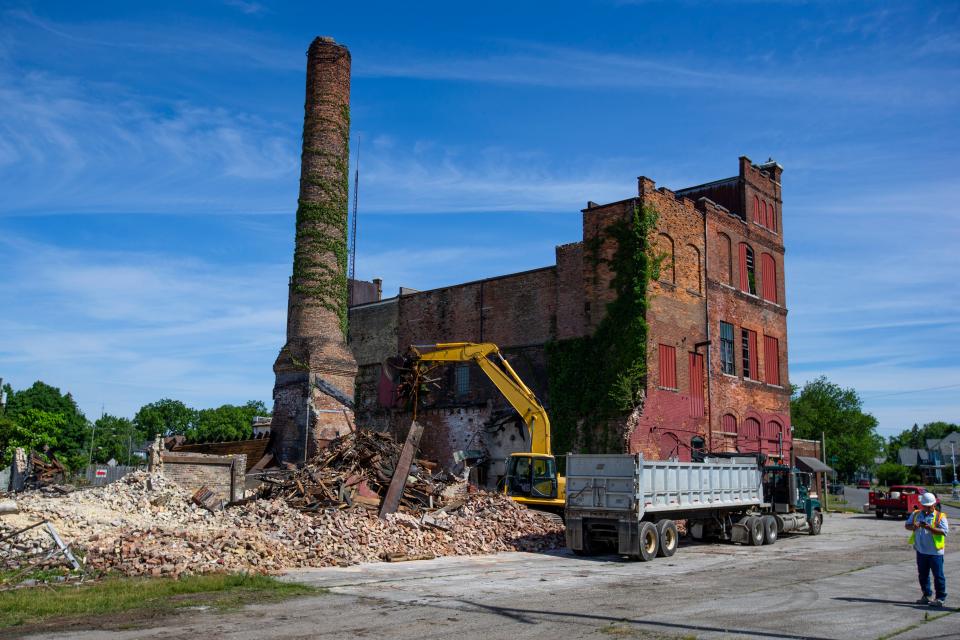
(858, 497)
(857, 580)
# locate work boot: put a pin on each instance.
(936, 603)
(924, 600)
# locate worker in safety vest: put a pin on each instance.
(929, 538)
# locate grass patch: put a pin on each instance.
(951, 503)
(140, 596)
(620, 631)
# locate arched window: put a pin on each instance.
(725, 258)
(773, 218)
(774, 433)
(756, 209)
(768, 277)
(763, 213)
(751, 430)
(668, 272)
(748, 277)
(728, 424)
(694, 282)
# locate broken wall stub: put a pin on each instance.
(224, 475)
(305, 417)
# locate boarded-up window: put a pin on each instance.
(696, 385)
(756, 209)
(668, 366)
(692, 255)
(763, 213)
(725, 258)
(729, 423)
(751, 430)
(773, 218)
(749, 351)
(771, 359)
(768, 277)
(667, 257)
(773, 431)
(748, 277)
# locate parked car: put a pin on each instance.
(835, 488)
(863, 484)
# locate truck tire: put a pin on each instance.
(816, 522)
(649, 541)
(754, 527)
(879, 513)
(769, 529)
(667, 537)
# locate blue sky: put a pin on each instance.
(149, 157)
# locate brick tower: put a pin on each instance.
(315, 371)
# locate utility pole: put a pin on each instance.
(823, 456)
(956, 489)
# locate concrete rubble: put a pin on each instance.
(145, 524)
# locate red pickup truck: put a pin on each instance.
(900, 501)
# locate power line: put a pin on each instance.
(901, 393)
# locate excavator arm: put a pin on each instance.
(488, 357)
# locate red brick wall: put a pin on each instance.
(675, 317)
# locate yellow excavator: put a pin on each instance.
(532, 477)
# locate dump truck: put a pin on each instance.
(532, 477)
(624, 504)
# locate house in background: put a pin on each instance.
(935, 463)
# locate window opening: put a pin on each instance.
(726, 349)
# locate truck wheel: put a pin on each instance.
(816, 522)
(769, 529)
(668, 538)
(879, 513)
(754, 527)
(649, 541)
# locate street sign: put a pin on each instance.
(834, 459)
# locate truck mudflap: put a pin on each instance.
(628, 538)
(574, 534)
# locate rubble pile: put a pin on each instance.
(357, 468)
(144, 524)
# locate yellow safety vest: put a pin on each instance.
(939, 540)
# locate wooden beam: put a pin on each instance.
(399, 480)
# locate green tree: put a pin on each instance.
(227, 422)
(822, 407)
(73, 435)
(115, 438)
(34, 430)
(165, 417)
(916, 437)
(891, 473)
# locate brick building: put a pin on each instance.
(716, 347)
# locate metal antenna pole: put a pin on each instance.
(953, 456)
(352, 272)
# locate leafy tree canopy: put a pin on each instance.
(164, 417)
(32, 408)
(115, 438)
(824, 407)
(227, 422)
(34, 430)
(891, 473)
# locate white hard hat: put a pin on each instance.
(928, 499)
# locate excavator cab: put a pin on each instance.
(532, 476)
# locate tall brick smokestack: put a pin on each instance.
(315, 366)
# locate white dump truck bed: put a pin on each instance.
(615, 483)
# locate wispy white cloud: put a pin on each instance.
(70, 147)
(534, 64)
(127, 328)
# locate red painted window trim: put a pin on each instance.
(696, 385)
(756, 209)
(768, 274)
(668, 366)
(771, 360)
(763, 213)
